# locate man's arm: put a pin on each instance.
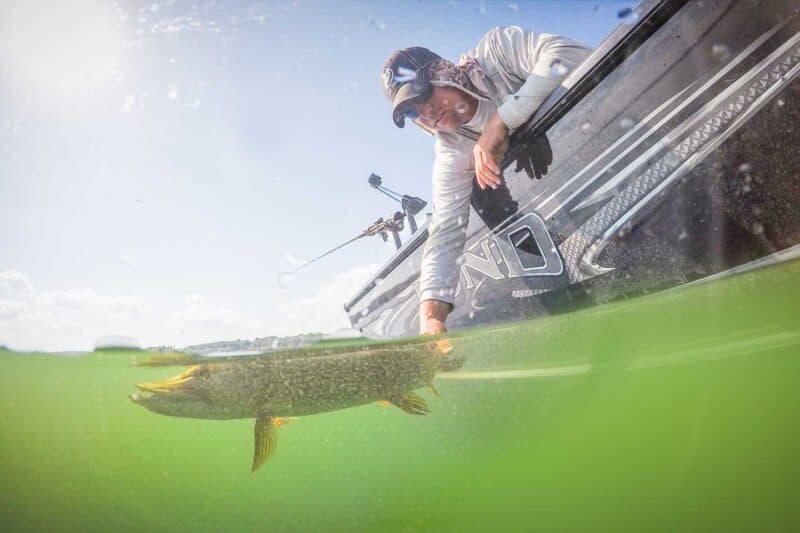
(452, 188)
(542, 61)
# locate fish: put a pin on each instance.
(275, 388)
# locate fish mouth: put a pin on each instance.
(182, 395)
(185, 382)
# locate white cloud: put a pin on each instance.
(128, 104)
(14, 283)
(201, 321)
(73, 319)
(60, 319)
(324, 310)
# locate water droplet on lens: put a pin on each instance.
(405, 74)
(720, 52)
(628, 15)
(557, 68)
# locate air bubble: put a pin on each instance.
(780, 102)
(461, 108)
(758, 228)
(626, 123)
(744, 168)
(586, 126)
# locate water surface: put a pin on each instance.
(670, 411)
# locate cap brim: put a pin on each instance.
(407, 95)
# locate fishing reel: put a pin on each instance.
(393, 224)
(411, 204)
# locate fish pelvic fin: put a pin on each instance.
(266, 439)
(410, 402)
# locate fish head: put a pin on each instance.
(189, 394)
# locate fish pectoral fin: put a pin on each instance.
(434, 391)
(266, 437)
(384, 403)
(410, 402)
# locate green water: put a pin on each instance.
(668, 412)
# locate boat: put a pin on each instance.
(668, 157)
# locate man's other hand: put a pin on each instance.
(432, 314)
(489, 151)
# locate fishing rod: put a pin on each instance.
(411, 205)
(383, 226)
(393, 224)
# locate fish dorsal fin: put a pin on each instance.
(410, 402)
(266, 440)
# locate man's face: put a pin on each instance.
(446, 109)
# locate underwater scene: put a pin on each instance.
(669, 411)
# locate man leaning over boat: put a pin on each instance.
(471, 108)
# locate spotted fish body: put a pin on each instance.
(272, 387)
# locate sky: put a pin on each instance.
(163, 162)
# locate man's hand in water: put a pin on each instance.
(432, 314)
(489, 152)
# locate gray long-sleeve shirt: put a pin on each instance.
(520, 69)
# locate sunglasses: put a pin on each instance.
(411, 113)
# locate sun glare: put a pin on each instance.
(59, 46)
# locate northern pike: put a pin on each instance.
(273, 387)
